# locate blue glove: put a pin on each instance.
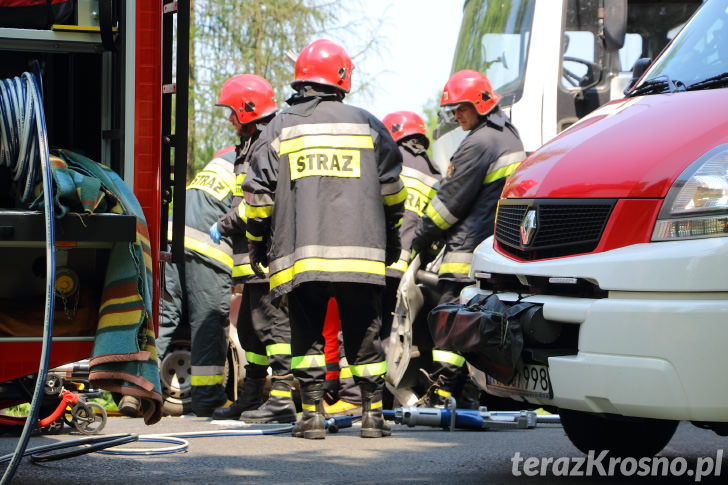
(215, 233)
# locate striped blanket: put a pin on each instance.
(124, 357)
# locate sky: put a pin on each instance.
(414, 65)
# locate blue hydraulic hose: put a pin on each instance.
(39, 142)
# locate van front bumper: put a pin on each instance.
(659, 353)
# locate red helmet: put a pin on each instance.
(223, 151)
(471, 87)
(251, 97)
(324, 62)
(405, 124)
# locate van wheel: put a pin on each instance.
(621, 437)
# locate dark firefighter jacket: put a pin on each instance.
(208, 196)
(233, 223)
(324, 184)
(463, 209)
(419, 177)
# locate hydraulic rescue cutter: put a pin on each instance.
(474, 419)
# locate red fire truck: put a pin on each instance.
(108, 73)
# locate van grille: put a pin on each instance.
(563, 227)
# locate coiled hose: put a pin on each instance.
(24, 149)
(19, 149)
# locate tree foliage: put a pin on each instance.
(257, 36)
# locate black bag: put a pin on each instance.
(485, 331)
(36, 14)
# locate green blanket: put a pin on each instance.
(124, 357)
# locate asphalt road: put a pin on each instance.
(412, 454)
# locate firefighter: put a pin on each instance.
(200, 288)
(420, 178)
(462, 213)
(263, 329)
(324, 203)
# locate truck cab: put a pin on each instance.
(617, 229)
(553, 62)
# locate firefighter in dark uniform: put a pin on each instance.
(462, 213)
(200, 289)
(324, 204)
(263, 329)
(420, 177)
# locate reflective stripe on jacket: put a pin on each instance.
(208, 196)
(419, 177)
(324, 185)
(234, 222)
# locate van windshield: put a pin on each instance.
(698, 54)
(494, 41)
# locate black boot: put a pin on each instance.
(312, 425)
(438, 393)
(469, 397)
(372, 420)
(250, 397)
(129, 406)
(279, 408)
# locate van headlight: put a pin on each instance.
(697, 204)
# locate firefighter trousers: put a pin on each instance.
(264, 332)
(200, 294)
(172, 311)
(348, 390)
(360, 311)
(448, 365)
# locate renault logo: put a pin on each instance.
(528, 227)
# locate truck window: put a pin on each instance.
(579, 46)
(697, 54)
(631, 51)
(501, 34)
(650, 26)
(503, 57)
(657, 23)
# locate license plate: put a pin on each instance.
(530, 381)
